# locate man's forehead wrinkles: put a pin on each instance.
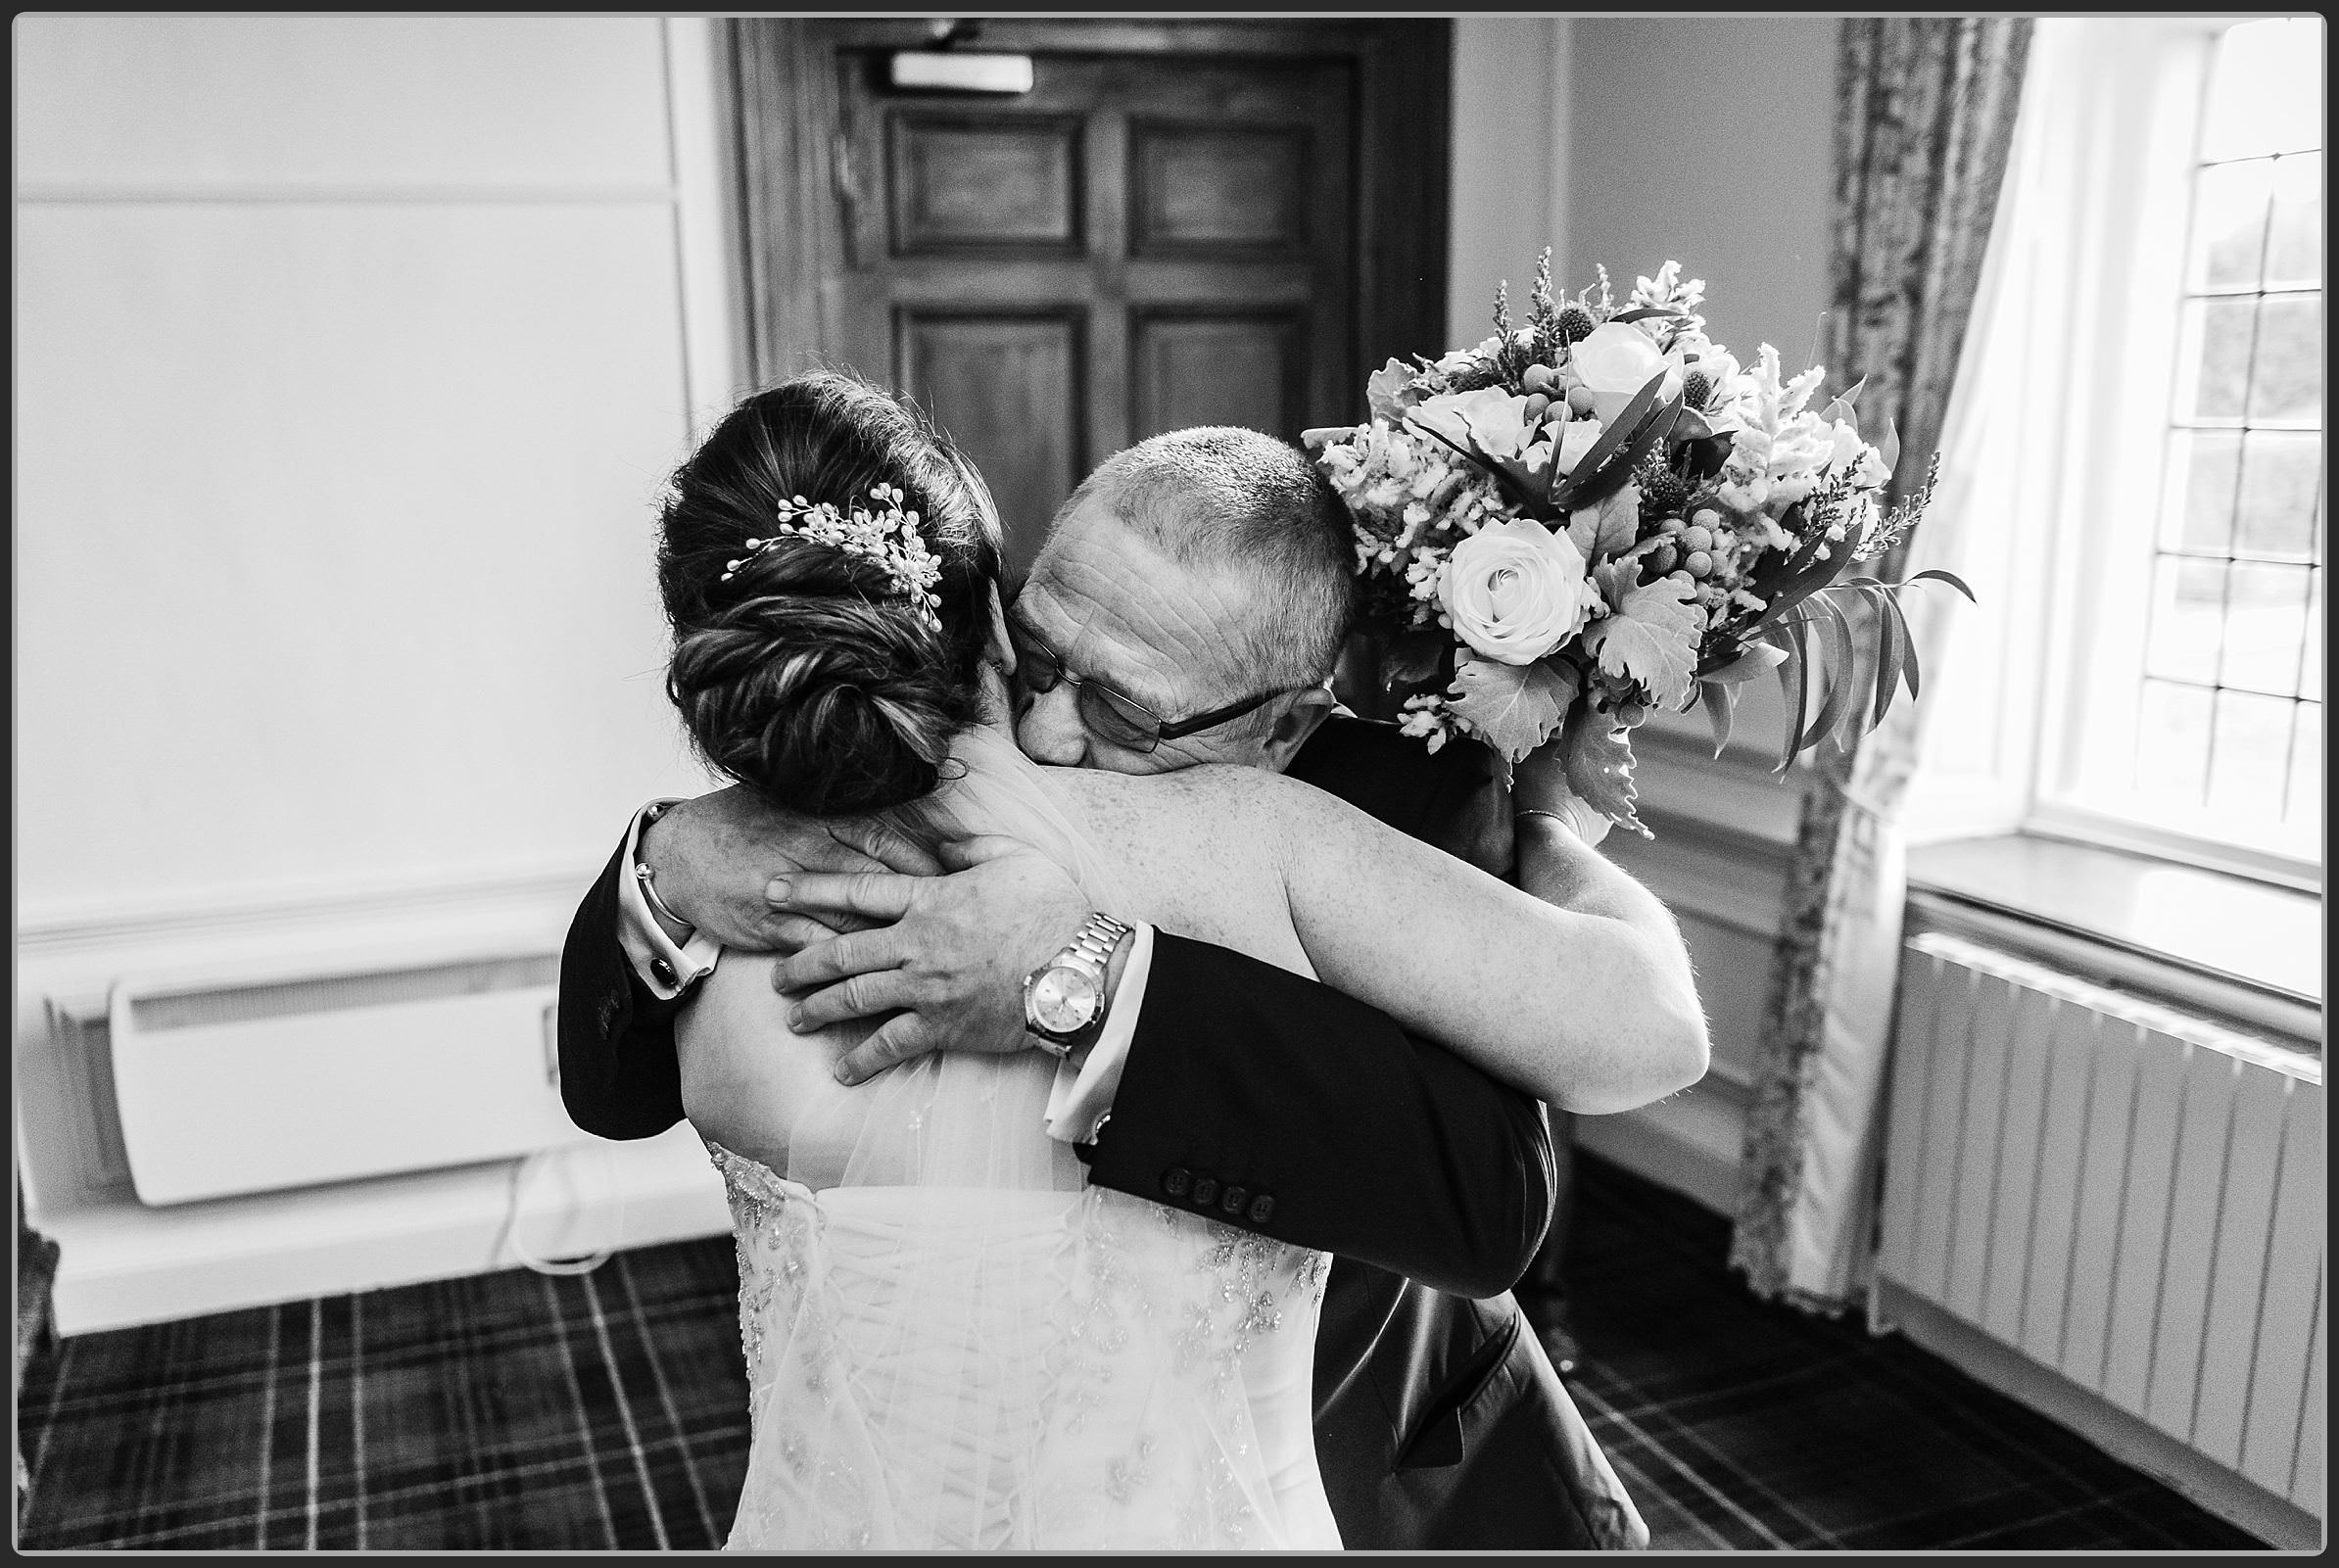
(1119, 607)
(1104, 631)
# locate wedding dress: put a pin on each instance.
(954, 1341)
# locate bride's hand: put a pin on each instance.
(714, 857)
(950, 962)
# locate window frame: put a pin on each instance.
(2101, 580)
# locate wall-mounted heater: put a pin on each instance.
(251, 1083)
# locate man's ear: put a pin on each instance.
(1297, 714)
(1001, 651)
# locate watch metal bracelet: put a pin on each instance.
(1099, 935)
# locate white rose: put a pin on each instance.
(1516, 591)
(1576, 437)
(1614, 362)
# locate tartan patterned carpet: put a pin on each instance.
(517, 1411)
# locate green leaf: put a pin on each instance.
(1951, 578)
(1808, 574)
(1889, 449)
(1648, 311)
(1891, 656)
(1790, 635)
(1608, 529)
(1751, 661)
(1835, 675)
(1652, 638)
(1690, 426)
(1597, 756)
(1619, 431)
(1584, 489)
(1720, 699)
(1841, 407)
(1512, 707)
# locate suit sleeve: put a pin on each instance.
(1364, 1140)
(1276, 1104)
(619, 1076)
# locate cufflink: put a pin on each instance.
(662, 969)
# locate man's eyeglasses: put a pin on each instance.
(1109, 714)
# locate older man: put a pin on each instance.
(1188, 609)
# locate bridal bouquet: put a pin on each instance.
(1601, 513)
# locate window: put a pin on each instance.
(2193, 727)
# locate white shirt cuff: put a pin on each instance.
(1081, 1098)
(667, 969)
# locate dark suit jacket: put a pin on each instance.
(1281, 1105)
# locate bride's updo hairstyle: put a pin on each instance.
(803, 671)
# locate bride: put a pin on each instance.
(952, 1341)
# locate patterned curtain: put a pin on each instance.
(1925, 116)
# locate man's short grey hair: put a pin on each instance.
(1222, 498)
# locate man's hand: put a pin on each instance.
(714, 858)
(950, 965)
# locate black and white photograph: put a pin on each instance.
(1469, 782)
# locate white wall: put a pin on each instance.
(349, 360)
(1708, 140)
(1630, 141)
(352, 354)
(1508, 192)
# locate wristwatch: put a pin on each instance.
(1063, 999)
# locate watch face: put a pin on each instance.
(1063, 1000)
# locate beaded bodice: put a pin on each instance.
(971, 1369)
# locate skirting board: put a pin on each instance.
(1689, 1143)
(2277, 1521)
(122, 1264)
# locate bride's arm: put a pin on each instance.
(1589, 1008)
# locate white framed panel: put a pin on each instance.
(335, 531)
(190, 102)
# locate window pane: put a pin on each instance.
(2265, 620)
(2294, 246)
(2171, 744)
(2197, 507)
(2213, 374)
(2266, 90)
(2188, 603)
(2286, 378)
(2311, 661)
(2277, 495)
(2229, 210)
(2305, 805)
(2250, 753)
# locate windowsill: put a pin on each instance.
(2233, 932)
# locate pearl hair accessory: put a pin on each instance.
(888, 537)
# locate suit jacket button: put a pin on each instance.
(1206, 1188)
(662, 969)
(1234, 1199)
(1177, 1181)
(1260, 1208)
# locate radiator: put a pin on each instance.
(234, 1085)
(2127, 1195)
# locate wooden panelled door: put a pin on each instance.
(1178, 224)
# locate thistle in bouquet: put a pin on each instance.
(1598, 513)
